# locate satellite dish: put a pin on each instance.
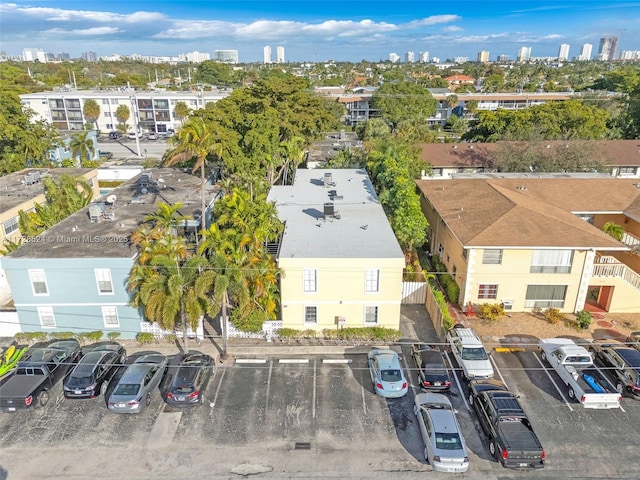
(144, 191)
(111, 199)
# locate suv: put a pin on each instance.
(469, 352)
(622, 366)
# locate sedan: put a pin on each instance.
(445, 448)
(91, 376)
(432, 372)
(152, 136)
(131, 393)
(132, 135)
(187, 380)
(386, 373)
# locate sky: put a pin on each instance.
(317, 31)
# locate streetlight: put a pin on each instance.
(132, 98)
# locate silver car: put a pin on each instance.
(131, 393)
(445, 447)
(386, 373)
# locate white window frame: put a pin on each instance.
(310, 322)
(38, 276)
(46, 312)
(367, 314)
(551, 261)
(533, 296)
(310, 280)
(110, 312)
(11, 225)
(492, 256)
(103, 275)
(372, 280)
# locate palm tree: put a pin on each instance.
(195, 140)
(614, 230)
(91, 111)
(122, 114)
(82, 146)
(181, 111)
(167, 218)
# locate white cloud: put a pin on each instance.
(87, 32)
(452, 28)
(60, 15)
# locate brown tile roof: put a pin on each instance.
(530, 212)
(612, 152)
(459, 78)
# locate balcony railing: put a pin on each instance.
(607, 266)
(630, 239)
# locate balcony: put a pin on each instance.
(607, 266)
(630, 240)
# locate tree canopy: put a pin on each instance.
(404, 101)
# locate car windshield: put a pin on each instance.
(477, 353)
(127, 389)
(448, 441)
(391, 375)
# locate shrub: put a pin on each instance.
(553, 315)
(288, 332)
(94, 336)
(62, 335)
(584, 318)
(447, 321)
(453, 290)
(492, 311)
(171, 338)
(113, 336)
(145, 338)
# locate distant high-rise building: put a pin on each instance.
(585, 52)
(630, 55)
(267, 54)
(394, 57)
(608, 48)
(563, 52)
(424, 57)
(225, 56)
(524, 54)
(33, 55)
(460, 60)
(409, 57)
(194, 57)
(483, 56)
(280, 55)
(503, 58)
(89, 56)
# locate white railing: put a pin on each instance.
(630, 239)
(607, 266)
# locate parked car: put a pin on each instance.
(621, 365)
(386, 373)
(114, 135)
(634, 340)
(187, 380)
(131, 392)
(132, 135)
(512, 440)
(432, 372)
(469, 352)
(152, 136)
(445, 448)
(105, 155)
(91, 376)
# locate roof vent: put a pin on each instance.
(328, 180)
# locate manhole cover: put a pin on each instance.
(302, 446)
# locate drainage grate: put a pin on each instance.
(302, 446)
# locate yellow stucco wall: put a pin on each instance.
(340, 291)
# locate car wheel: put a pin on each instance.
(426, 455)
(493, 449)
(103, 388)
(543, 356)
(572, 394)
(470, 399)
(123, 358)
(43, 399)
(620, 388)
(148, 400)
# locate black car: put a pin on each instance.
(432, 372)
(91, 376)
(187, 379)
(115, 135)
(621, 365)
(105, 155)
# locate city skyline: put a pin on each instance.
(316, 31)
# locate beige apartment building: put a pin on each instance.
(537, 242)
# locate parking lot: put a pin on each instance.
(293, 416)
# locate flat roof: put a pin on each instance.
(361, 231)
(79, 237)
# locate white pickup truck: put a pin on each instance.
(574, 365)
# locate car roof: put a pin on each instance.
(432, 357)
(387, 359)
(631, 356)
(153, 357)
(135, 373)
(93, 357)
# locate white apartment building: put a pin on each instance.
(150, 111)
(424, 57)
(394, 57)
(563, 52)
(194, 57)
(225, 56)
(483, 56)
(34, 54)
(630, 55)
(280, 55)
(267, 54)
(409, 57)
(585, 52)
(524, 54)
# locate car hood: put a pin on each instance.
(479, 368)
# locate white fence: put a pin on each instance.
(148, 327)
(269, 329)
(414, 292)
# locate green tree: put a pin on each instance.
(181, 111)
(82, 147)
(123, 113)
(91, 111)
(614, 230)
(214, 73)
(403, 101)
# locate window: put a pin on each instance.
(627, 171)
(103, 278)
(440, 250)
(110, 317)
(488, 291)
(436, 172)
(493, 256)
(372, 284)
(551, 261)
(371, 315)
(46, 317)
(311, 314)
(310, 281)
(545, 296)
(38, 282)
(10, 226)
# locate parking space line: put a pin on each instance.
(215, 397)
(364, 403)
(337, 360)
(313, 405)
(497, 370)
(455, 375)
(251, 360)
(293, 360)
(553, 381)
(266, 406)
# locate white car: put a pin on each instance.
(131, 135)
(152, 136)
(469, 352)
